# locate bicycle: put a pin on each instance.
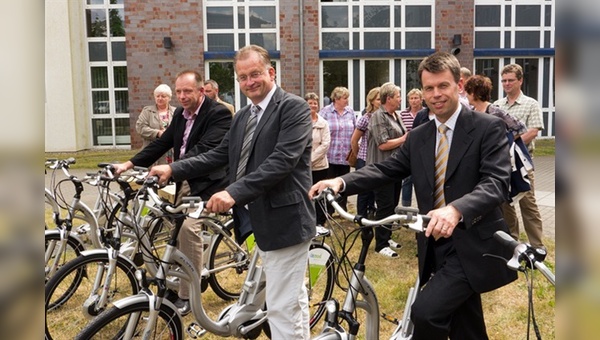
(360, 292)
(150, 313)
(86, 285)
(525, 258)
(63, 244)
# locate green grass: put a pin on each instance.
(544, 147)
(89, 159)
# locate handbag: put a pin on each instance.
(351, 158)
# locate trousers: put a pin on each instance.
(189, 241)
(286, 294)
(530, 212)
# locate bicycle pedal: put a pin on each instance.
(195, 331)
(390, 319)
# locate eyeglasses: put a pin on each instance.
(504, 81)
(253, 76)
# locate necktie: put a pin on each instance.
(441, 160)
(248, 133)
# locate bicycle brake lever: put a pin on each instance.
(417, 225)
(514, 263)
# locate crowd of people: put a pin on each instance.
(267, 160)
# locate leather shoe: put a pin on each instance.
(183, 306)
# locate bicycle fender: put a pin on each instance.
(71, 235)
(105, 252)
(141, 297)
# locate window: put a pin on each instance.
(230, 25)
(373, 30)
(105, 29)
(526, 26)
(254, 22)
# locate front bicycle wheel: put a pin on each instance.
(319, 281)
(129, 322)
(72, 294)
(228, 265)
(55, 257)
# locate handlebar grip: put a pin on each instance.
(140, 168)
(105, 164)
(505, 239)
(426, 219)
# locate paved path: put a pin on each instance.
(544, 185)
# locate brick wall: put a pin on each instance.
(148, 63)
(289, 35)
(312, 81)
(455, 17)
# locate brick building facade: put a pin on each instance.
(315, 46)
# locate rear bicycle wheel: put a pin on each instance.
(320, 280)
(54, 257)
(71, 295)
(131, 319)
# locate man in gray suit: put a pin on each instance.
(460, 169)
(268, 149)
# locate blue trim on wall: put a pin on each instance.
(513, 52)
(324, 54)
(231, 54)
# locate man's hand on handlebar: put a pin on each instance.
(335, 184)
(443, 221)
(163, 172)
(122, 167)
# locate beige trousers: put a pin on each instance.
(532, 220)
(190, 241)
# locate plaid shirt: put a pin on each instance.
(363, 125)
(527, 110)
(341, 128)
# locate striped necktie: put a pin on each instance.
(441, 160)
(248, 133)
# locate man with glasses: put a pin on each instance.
(268, 149)
(528, 111)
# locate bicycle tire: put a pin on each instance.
(227, 283)
(72, 251)
(111, 323)
(73, 285)
(320, 281)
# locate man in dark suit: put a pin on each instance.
(472, 182)
(198, 125)
(269, 152)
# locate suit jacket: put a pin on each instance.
(278, 174)
(210, 126)
(477, 178)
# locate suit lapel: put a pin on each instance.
(461, 140)
(179, 129)
(427, 152)
(267, 114)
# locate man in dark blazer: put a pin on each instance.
(460, 231)
(198, 125)
(272, 186)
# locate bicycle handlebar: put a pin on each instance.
(405, 216)
(524, 252)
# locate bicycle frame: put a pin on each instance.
(359, 285)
